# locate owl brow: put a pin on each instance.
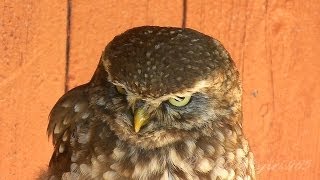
(188, 92)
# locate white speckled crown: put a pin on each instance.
(154, 61)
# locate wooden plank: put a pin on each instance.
(93, 25)
(32, 67)
(275, 46)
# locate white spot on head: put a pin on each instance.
(148, 54)
(66, 104)
(78, 107)
(190, 52)
(101, 101)
(216, 42)
(139, 71)
(157, 46)
(224, 54)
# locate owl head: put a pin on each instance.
(167, 84)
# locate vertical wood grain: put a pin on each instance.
(93, 25)
(32, 55)
(275, 46)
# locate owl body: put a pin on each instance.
(164, 103)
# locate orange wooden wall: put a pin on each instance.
(275, 44)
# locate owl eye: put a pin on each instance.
(180, 101)
(121, 90)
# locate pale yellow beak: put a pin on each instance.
(140, 119)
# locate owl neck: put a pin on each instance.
(185, 159)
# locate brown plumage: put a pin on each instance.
(164, 103)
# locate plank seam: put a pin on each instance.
(66, 81)
(184, 13)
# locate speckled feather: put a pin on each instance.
(147, 59)
(92, 125)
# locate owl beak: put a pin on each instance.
(140, 119)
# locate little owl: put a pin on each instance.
(163, 103)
